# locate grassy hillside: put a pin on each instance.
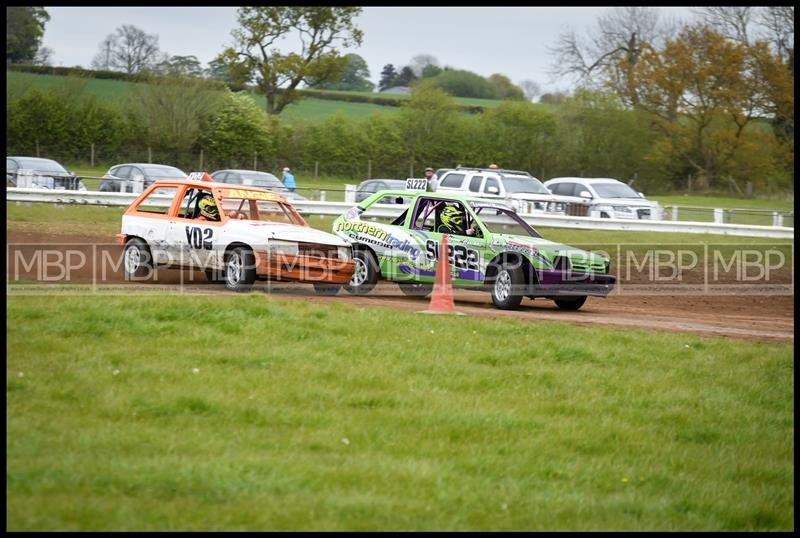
(306, 109)
(251, 413)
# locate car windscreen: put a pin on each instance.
(614, 190)
(42, 165)
(164, 172)
(503, 221)
(261, 180)
(524, 184)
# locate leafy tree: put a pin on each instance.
(24, 32)
(430, 71)
(505, 89)
(405, 78)
(460, 83)
(236, 131)
(181, 66)
(128, 49)
(388, 76)
(355, 77)
(428, 120)
(319, 28)
(519, 134)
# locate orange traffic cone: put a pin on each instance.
(442, 298)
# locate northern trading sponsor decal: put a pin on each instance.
(249, 195)
(377, 236)
(527, 249)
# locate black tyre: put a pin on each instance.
(508, 287)
(571, 303)
(137, 261)
(326, 289)
(240, 269)
(415, 289)
(366, 274)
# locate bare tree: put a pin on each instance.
(44, 56)
(610, 52)
(420, 62)
(778, 22)
(530, 88)
(129, 49)
(734, 22)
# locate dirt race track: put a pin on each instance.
(752, 316)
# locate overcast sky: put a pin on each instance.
(508, 40)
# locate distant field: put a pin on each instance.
(306, 109)
(251, 413)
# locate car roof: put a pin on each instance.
(444, 195)
(211, 185)
(145, 164)
(586, 179)
(239, 171)
(42, 159)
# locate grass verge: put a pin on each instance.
(251, 413)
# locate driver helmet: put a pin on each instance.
(453, 218)
(208, 208)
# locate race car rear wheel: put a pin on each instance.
(137, 260)
(366, 274)
(507, 287)
(571, 303)
(415, 289)
(240, 269)
(326, 289)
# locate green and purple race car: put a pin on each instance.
(489, 248)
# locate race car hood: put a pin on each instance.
(541, 247)
(286, 232)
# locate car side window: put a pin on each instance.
(222, 177)
(123, 172)
(558, 188)
(158, 201)
(491, 182)
(189, 208)
(452, 181)
(11, 166)
(136, 171)
(475, 183)
(425, 214)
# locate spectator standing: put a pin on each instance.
(433, 181)
(288, 180)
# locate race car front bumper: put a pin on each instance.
(553, 283)
(313, 269)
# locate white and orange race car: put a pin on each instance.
(235, 234)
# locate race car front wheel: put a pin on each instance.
(572, 303)
(137, 259)
(240, 269)
(366, 274)
(507, 288)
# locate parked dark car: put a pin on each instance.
(253, 178)
(122, 177)
(369, 187)
(47, 174)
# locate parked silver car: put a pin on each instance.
(253, 178)
(45, 174)
(605, 197)
(367, 188)
(123, 177)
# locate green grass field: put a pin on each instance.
(306, 109)
(252, 413)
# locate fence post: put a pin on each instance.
(674, 212)
(149, 154)
(255, 161)
(201, 159)
(92, 155)
(316, 169)
(37, 148)
(321, 196)
(411, 171)
(777, 219)
(349, 194)
(369, 168)
(718, 213)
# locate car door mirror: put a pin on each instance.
(492, 190)
(641, 195)
(585, 194)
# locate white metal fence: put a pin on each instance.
(314, 207)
